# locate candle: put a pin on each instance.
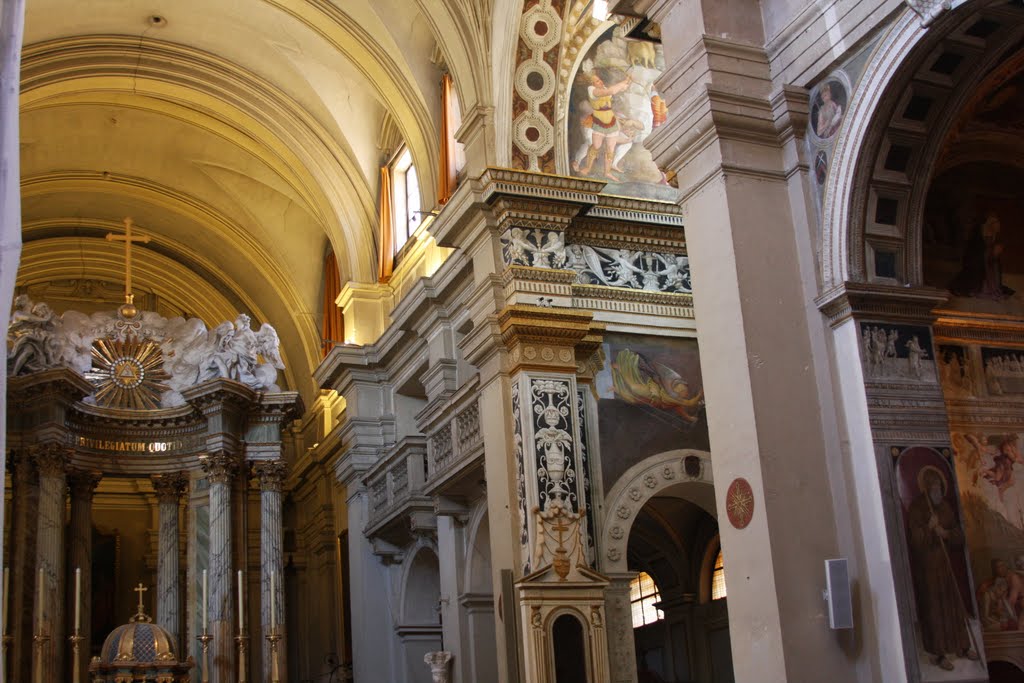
(273, 604)
(42, 598)
(7, 580)
(241, 609)
(78, 599)
(206, 603)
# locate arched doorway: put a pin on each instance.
(661, 523)
(419, 629)
(680, 618)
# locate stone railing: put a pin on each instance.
(455, 442)
(395, 484)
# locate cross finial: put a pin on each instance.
(128, 310)
(140, 589)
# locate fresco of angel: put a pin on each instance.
(638, 381)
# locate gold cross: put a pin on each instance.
(127, 238)
(140, 589)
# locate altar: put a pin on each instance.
(187, 417)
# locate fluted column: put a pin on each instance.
(51, 460)
(82, 485)
(23, 561)
(169, 489)
(271, 476)
(220, 468)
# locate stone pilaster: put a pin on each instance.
(51, 461)
(169, 490)
(23, 561)
(82, 484)
(220, 468)
(271, 475)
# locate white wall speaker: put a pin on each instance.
(837, 594)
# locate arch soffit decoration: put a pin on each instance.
(635, 487)
(896, 71)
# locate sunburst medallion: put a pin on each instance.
(127, 373)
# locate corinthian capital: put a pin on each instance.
(169, 487)
(83, 483)
(51, 459)
(219, 466)
(272, 474)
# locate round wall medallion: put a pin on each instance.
(739, 503)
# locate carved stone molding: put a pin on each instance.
(83, 483)
(220, 467)
(170, 487)
(638, 485)
(885, 302)
(271, 474)
(928, 10)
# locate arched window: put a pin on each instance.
(406, 199)
(718, 578)
(643, 595)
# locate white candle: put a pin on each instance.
(241, 608)
(42, 598)
(206, 603)
(7, 581)
(273, 604)
(78, 599)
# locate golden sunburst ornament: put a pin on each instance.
(127, 373)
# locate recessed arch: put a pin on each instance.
(641, 482)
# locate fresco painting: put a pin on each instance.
(650, 400)
(613, 107)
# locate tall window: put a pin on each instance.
(643, 595)
(718, 578)
(407, 214)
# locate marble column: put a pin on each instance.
(51, 461)
(82, 484)
(23, 561)
(271, 476)
(220, 468)
(169, 489)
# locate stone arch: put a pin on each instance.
(904, 101)
(642, 482)
(421, 585)
(478, 577)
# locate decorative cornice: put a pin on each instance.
(62, 383)
(558, 326)
(216, 394)
(978, 328)
(898, 304)
(616, 234)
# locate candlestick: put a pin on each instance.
(275, 671)
(204, 641)
(241, 604)
(78, 600)
(242, 641)
(206, 603)
(76, 665)
(273, 603)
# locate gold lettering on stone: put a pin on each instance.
(130, 446)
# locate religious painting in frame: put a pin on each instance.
(650, 399)
(937, 553)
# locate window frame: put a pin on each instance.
(405, 220)
(646, 599)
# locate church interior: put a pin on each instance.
(512, 341)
